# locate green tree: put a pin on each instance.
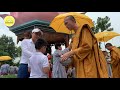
(119, 47)
(7, 47)
(102, 24)
(18, 50)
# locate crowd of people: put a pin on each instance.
(6, 69)
(81, 59)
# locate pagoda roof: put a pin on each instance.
(44, 25)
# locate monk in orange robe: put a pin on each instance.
(88, 59)
(115, 59)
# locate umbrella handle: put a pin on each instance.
(71, 32)
(104, 43)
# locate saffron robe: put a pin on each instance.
(89, 61)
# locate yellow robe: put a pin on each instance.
(88, 60)
(115, 61)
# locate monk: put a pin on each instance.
(115, 59)
(88, 60)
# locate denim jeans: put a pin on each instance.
(23, 71)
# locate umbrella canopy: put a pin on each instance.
(58, 22)
(5, 58)
(105, 36)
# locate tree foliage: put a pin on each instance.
(8, 48)
(102, 24)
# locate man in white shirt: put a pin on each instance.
(28, 48)
(38, 65)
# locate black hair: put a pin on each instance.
(40, 43)
(71, 18)
(57, 45)
(108, 44)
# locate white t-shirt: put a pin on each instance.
(36, 62)
(28, 48)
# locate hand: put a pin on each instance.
(65, 56)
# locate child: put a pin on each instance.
(38, 65)
(59, 70)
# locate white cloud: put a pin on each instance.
(4, 12)
(5, 30)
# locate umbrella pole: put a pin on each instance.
(71, 32)
(104, 43)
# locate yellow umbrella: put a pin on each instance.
(58, 22)
(5, 58)
(105, 36)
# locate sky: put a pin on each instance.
(115, 24)
(114, 19)
(5, 30)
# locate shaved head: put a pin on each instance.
(71, 18)
(108, 46)
(70, 22)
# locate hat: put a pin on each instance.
(37, 30)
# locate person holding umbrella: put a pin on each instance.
(87, 57)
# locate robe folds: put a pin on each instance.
(88, 60)
(115, 61)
